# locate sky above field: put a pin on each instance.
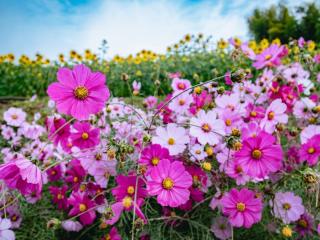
(51, 27)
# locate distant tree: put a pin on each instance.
(284, 23)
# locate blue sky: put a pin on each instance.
(51, 27)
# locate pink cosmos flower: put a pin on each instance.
(14, 215)
(304, 226)
(309, 132)
(14, 117)
(172, 137)
(75, 174)
(197, 152)
(221, 228)
(23, 175)
(207, 128)
(287, 206)
(150, 102)
(254, 112)
(235, 171)
(248, 51)
(82, 204)
(5, 232)
(59, 131)
(59, 196)
(169, 181)
(199, 183)
(85, 136)
(242, 207)
(79, 92)
(112, 235)
(310, 151)
(275, 114)
(127, 187)
(179, 85)
(153, 154)
(269, 57)
(259, 155)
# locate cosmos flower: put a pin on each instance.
(71, 226)
(82, 204)
(23, 175)
(153, 154)
(59, 196)
(172, 137)
(287, 207)
(79, 92)
(207, 128)
(270, 57)
(242, 207)
(221, 228)
(5, 232)
(169, 181)
(112, 235)
(275, 114)
(85, 136)
(310, 151)
(259, 156)
(304, 226)
(59, 130)
(179, 85)
(14, 116)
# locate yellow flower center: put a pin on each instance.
(14, 218)
(14, 116)
(241, 207)
(155, 161)
(60, 196)
(228, 122)
(167, 183)
(82, 207)
(311, 150)
(127, 202)
(85, 136)
(253, 114)
(206, 128)
(239, 169)
(107, 237)
(98, 156)
(81, 93)
(198, 151)
(286, 206)
(171, 141)
(256, 154)
(268, 57)
(271, 115)
(75, 179)
(130, 190)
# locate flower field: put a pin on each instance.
(207, 141)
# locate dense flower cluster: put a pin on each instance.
(242, 154)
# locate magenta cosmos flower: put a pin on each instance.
(287, 206)
(153, 154)
(79, 92)
(112, 235)
(59, 130)
(310, 151)
(82, 205)
(242, 207)
(23, 175)
(259, 155)
(85, 136)
(170, 182)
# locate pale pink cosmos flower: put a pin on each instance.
(308, 132)
(172, 137)
(79, 92)
(14, 116)
(303, 108)
(5, 232)
(234, 170)
(275, 114)
(71, 226)
(287, 206)
(179, 85)
(150, 102)
(207, 128)
(181, 103)
(197, 152)
(221, 228)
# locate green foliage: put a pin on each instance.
(286, 24)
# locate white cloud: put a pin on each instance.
(129, 26)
